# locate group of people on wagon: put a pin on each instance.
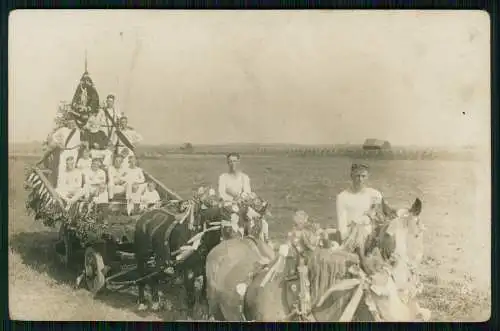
(92, 155)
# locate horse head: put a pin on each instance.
(402, 233)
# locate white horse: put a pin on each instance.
(394, 288)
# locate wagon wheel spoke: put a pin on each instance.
(94, 270)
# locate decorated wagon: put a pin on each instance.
(98, 237)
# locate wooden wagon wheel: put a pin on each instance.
(94, 270)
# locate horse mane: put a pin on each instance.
(326, 268)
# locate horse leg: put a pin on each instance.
(203, 294)
(141, 285)
(189, 285)
(155, 297)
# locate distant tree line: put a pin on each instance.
(352, 152)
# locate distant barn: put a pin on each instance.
(376, 145)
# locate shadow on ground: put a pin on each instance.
(37, 251)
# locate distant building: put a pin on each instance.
(376, 145)
(187, 147)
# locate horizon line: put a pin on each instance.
(179, 144)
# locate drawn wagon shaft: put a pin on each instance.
(98, 236)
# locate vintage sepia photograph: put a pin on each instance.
(308, 165)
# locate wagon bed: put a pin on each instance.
(102, 233)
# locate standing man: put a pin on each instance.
(355, 202)
(234, 182)
(113, 112)
(130, 135)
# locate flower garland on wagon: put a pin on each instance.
(40, 202)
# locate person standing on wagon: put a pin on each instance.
(114, 114)
(126, 132)
(95, 128)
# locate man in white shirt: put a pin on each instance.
(234, 182)
(113, 112)
(95, 183)
(70, 182)
(117, 174)
(355, 202)
(64, 143)
(130, 134)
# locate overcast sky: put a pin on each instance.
(420, 78)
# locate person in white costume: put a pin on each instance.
(95, 183)
(354, 203)
(114, 113)
(117, 175)
(234, 182)
(150, 197)
(132, 136)
(135, 184)
(85, 161)
(105, 155)
(67, 141)
(71, 181)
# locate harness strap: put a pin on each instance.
(169, 232)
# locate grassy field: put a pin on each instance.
(456, 211)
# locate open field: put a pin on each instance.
(456, 211)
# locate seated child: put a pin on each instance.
(117, 175)
(70, 183)
(134, 198)
(150, 197)
(95, 183)
(84, 162)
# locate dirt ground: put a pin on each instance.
(456, 269)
